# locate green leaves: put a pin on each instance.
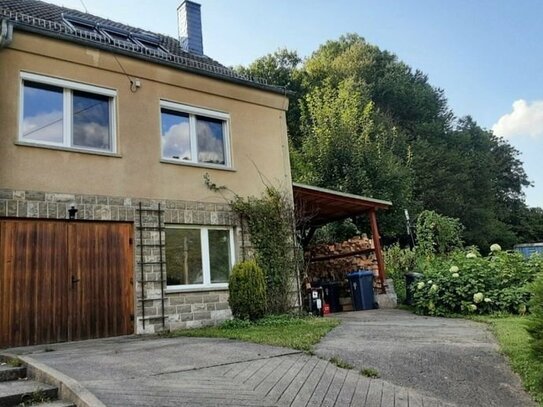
(270, 220)
(362, 121)
(438, 234)
(535, 324)
(483, 285)
(247, 291)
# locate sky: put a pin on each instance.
(486, 54)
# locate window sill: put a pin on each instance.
(197, 289)
(191, 164)
(69, 149)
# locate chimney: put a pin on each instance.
(189, 20)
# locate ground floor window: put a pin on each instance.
(198, 256)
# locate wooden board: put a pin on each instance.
(100, 260)
(63, 280)
(33, 282)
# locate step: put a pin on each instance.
(56, 403)
(8, 372)
(24, 391)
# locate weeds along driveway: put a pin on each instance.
(455, 360)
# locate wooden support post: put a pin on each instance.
(377, 243)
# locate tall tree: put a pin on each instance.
(281, 68)
(349, 147)
(364, 122)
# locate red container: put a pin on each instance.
(326, 309)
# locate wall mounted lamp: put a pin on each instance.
(72, 211)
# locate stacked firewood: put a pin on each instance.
(334, 261)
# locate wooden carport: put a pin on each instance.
(315, 207)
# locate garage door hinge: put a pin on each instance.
(130, 241)
(132, 317)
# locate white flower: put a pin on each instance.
(478, 297)
(433, 288)
(495, 248)
(455, 275)
(420, 285)
(487, 299)
(430, 281)
(454, 269)
(472, 307)
(431, 306)
(471, 255)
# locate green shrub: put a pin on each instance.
(399, 261)
(466, 283)
(247, 288)
(535, 324)
(270, 221)
(438, 233)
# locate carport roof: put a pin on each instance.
(320, 206)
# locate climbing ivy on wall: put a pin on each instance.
(270, 221)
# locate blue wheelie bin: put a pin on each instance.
(361, 283)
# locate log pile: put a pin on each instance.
(334, 261)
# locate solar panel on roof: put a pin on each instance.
(59, 22)
(115, 33)
(146, 37)
(79, 23)
(149, 41)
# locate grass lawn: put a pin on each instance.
(514, 342)
(292, 332)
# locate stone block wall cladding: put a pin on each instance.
(182, 309)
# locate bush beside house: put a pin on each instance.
(247, 287)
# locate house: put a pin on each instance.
(107, 132)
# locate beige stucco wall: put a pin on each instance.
(257, 127)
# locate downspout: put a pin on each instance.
(6, 33)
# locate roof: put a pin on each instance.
(320, 206)
(50, 20)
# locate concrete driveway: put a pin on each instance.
(423, 362)
(455, 360)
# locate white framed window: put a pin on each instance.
(198, 256)
(194, 135)
(60, 113)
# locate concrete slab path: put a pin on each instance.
(448, 362)
(455, 360)
(144, 371)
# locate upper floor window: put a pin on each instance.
(61, 113)
(194, 135)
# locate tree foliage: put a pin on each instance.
(364, 122)
(437, 234)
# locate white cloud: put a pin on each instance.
(91, 134)
(43, 127)
(210, 143)
(526, 119)
(176, 142)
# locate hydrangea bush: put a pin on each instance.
(467, 283)
(535, 325)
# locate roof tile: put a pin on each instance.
(22, 11)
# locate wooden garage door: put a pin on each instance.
(62, 281)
